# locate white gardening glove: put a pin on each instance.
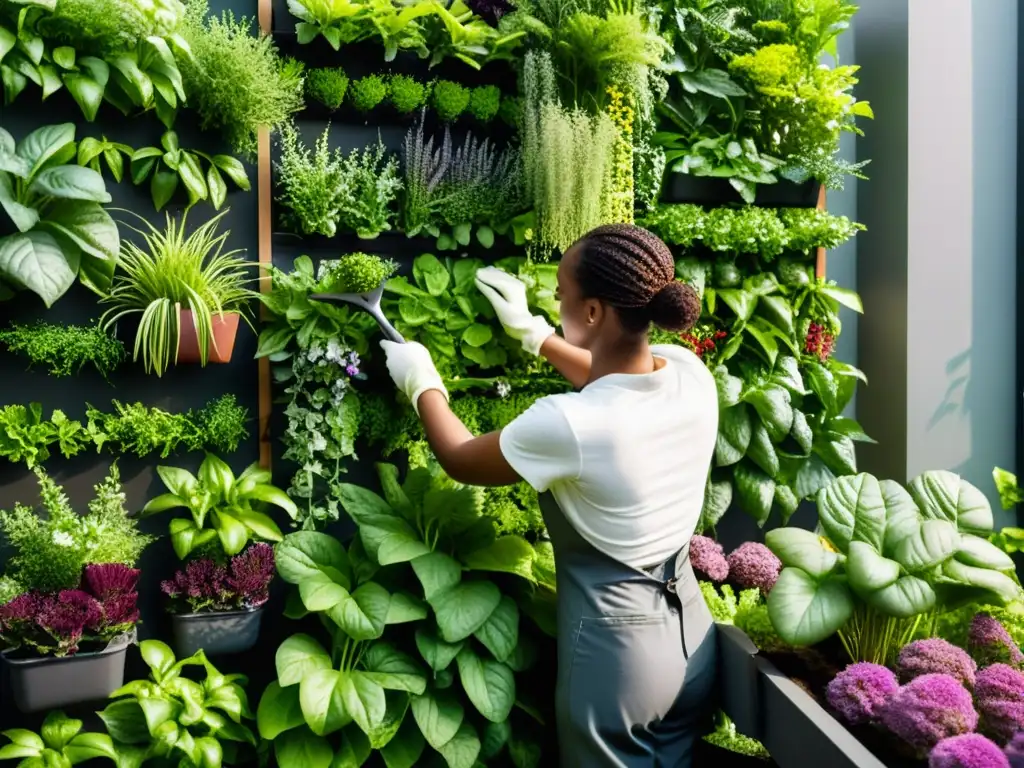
(412, 370)
(507, 295)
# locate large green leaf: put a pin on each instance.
(393, 670)
(24, 217)
(405, 608)
(734, 432)
(309, 556)
(232, 532)
(45, 143)
(509, 554)
(302, 749)
(405, 749)
(905, 598)
(489, 684)
(71, 182)
(996, 588)
(439, 716)
(35, 262)
(279, 711)
(805, 612)
(299, 656)
(981, 553)
(462, 610)
(761, 450)
(500, 633)
(798, 548)
(902, 516)
(945, 495)
(463, 749)
(363, 614)
(436, 652)
(774, 406)
(437, 573)
(934, 542)
(323, 696)
(867, 570)
(841, 504)
(353, 749)
(755, 491)
(364, 699)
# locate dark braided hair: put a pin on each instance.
(631, 269)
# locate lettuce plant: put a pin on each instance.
(414, 577)
(63, 232)
(220, 505)
(196, 724)
(889, 557)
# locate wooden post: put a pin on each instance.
(265, 253)
(820, 257)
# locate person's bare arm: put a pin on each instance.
(572, 362)
(466, 459)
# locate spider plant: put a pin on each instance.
(169, 273)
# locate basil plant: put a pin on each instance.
(59, 744)
(889, 557)
(222, 506)
(419, 652)
(173, 718)
(61, 231)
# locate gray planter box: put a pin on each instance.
(768, 706)
(218, 634)
(49, 682)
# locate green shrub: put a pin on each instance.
(368, 92)
(450, 100)
(407, 95)
(327, 86)
(65, 349)
(484, 102)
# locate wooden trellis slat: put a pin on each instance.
(265, 254)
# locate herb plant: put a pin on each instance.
(235, 81)
(25, 436)
(171, 273)
(195, 724)
(59, 743)
(206, 586)
(406, 94)
(51, 554)
(484, 102)
(893, 557)
(63, 232)
(449, 100)
(368, 92)
(220, 506)
(65, 349)
(327, 85)
(169, 164)
(95, 153)
(412, 570)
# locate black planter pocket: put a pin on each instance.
(219, 634)
(711, 191)
(50, 682)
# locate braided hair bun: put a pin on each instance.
(631, 269)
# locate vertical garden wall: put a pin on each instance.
(411, 618)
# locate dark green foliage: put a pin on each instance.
(407, 95)
(368, 92)
(327, 86)
(449, 100)
(484, 102)
(65, 349)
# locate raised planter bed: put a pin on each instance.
(218, 634)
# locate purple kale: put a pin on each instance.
(1015, 751)
(121, 611)
(990, 643)
(251, 574)
(21, 610)
(67, 616)
(859, 691)
(970, 750)
(935, 655)
(708, 558)
(928, 709)
(754, 566)
(106, 580)
(999, 697)
(201, 585)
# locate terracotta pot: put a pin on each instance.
(221, 345)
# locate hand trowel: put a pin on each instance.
(368, 303)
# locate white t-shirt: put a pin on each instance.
(627, 457)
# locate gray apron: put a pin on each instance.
(636, 656)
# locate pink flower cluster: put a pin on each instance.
(206, 586)
(749, 566)
(990, 643)
(105, 606)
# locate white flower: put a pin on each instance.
(503, 389)
(334, 352)
(315, 352)
(63, 539)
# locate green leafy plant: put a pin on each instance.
(51, 552)
(414, 578)
(197, 724)
(63, 232)
(449, 100)
(406, 94)
(171, 272)
(323, 190)
(95, 153)
(219, 426)
(368, 92)
(327, 85)
(60, 743)
(168, 164)
(891, 558)
(25, 436)
(65, 349)
(231, 506)
(236, 82)
(484, 102)
(1009, 539)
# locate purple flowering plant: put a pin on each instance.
(935, 655)
(708, 558)
(860, 691)
(753, 566)
(222, 508)
(205, 586)
(969, 750)
(990, 643)
(927, 710)
(1015, 751)
(999, 698)
(60, 623)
